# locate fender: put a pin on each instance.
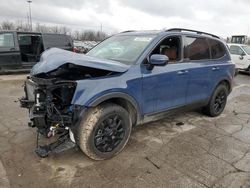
(94, 102)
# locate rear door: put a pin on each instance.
(197, 56)
(57, 40)
(238, 57)
(9, 50)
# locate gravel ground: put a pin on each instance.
(203, 152)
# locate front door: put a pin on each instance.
(239, 57)
(9, 51)
(165, 87)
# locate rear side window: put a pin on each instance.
(235, 50)
(196, 48)
(52, 40)
(217, 49)
(6, 40)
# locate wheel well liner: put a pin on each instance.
(227, 83)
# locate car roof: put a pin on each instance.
(173, 31)
(29, 32)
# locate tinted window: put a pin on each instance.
(236, 50)
(196, 49)
(7, 40)
(24, 40)
(217, 49)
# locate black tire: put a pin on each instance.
(218, 101)
(104, 131)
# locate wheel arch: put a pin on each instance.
(122, 99)
(227, 83)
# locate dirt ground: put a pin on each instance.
(203, 152)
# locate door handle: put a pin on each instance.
(182, 72)
(12, 49)
(215, 68)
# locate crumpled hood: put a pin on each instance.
(53, 58)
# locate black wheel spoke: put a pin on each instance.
(219, 102)
(109, 133)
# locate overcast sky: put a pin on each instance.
(221, 17)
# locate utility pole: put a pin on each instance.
(29, 1)
(101, 26)
(28, 19)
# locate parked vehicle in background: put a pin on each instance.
(21, 50)
(134, 77)
(84, 46)
(240, 54)
(239, 39)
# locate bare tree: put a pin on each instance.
(85, 35)
(19, 25)
(6, 25)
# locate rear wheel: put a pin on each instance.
(104, 131)
(218, 101)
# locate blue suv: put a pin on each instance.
(92, 101)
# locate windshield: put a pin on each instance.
(125, 49)
(246, 49)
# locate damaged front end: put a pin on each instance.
(49, 91)
(50, 111)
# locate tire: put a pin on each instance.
(104, 131)
(217, 102)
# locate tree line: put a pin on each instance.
(82, 35)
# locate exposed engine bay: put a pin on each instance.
(48, 98)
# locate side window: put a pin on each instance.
(171, 47)
(6, 40)
(236, 50)
(196, 48)
(217, 49)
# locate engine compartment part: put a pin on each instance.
(50, 111)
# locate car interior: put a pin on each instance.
(31, 46)
(171, 47)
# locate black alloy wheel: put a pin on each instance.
(220, 101)
(109, 133)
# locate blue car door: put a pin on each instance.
(197, 55)
(164, 87)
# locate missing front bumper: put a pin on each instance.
(63, 143)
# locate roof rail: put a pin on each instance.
(127, 31)
(194, 31)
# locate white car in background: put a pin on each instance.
(240, 54)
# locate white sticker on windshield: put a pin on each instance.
(143, 39)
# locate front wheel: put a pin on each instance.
(104, 131)
(217, 102)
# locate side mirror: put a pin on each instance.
(158, 60)
(243, 54)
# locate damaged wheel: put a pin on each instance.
(218, 101)
(104, 131)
